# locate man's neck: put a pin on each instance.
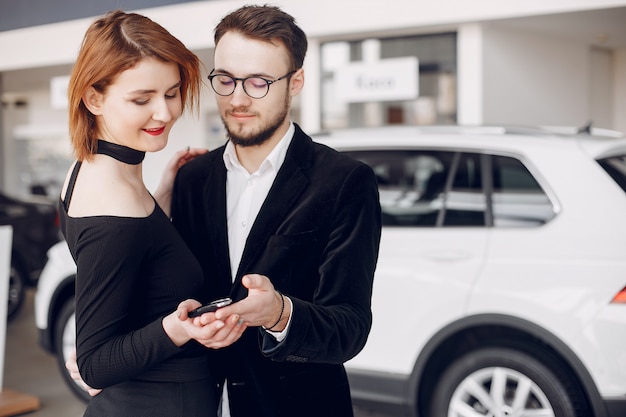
(251, 157)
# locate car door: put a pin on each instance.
(432, 248)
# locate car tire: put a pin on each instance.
(17, 290)
(64, 342)
(502, 381)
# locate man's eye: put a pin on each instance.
(141, 102)
(256, 82)
(225, 81)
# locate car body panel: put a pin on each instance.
(60, 271)
(414, 269)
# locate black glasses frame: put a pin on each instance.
(243, 82)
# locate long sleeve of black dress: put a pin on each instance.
(131, 272)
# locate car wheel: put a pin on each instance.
(64, 342)
(17, 288)
(501, 381)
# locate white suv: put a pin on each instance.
(501, 283)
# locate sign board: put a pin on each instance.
(394, 79)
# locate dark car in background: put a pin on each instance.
(35, 226)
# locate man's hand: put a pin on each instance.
(72, 367)
(263, 306)
(207, 329)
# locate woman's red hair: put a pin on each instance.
(113, 44)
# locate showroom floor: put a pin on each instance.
(30, 371)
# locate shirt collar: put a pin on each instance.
(275, 158)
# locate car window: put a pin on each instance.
(518, 199)
(430, 188)
(615, 166)
(411, 184)
(465, 203)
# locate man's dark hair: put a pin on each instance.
(268, 24)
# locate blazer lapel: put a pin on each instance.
(214, 193)
(291, 181)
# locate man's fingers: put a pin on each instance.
(256, 281)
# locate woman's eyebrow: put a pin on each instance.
(177, 85)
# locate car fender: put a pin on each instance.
(466, 333)
(55, 285)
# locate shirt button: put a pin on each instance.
(243, 223)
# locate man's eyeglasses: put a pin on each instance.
(254, 87)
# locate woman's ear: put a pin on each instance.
(93, 101)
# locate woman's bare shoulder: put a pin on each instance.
(101, 191)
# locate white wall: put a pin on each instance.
(600, 87)
(470, 74)
(619, 90)
(534, 79)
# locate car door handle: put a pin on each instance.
(448, 255)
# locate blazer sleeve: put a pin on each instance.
(334, 326)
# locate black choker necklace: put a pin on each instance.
(120, 152)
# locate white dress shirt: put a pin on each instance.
(245, 193)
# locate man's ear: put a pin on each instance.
(297, 82)
(93, 101)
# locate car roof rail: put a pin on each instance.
(564, 131)
(585, 130)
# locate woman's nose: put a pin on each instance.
(162, 111)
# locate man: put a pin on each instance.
(287, 228)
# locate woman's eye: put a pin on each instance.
(172, 95)
(141, 102)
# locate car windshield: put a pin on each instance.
(615, 166)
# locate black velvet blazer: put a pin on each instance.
(316, 237)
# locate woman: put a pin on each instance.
(130, 83)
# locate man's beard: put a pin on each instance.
(263, 135)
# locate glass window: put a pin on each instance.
(615, 166)
(430, 188)
(518, 199)
(436, 77)
(411, 184)
(466, 204)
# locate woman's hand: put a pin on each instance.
(205, 329)
(72, 366)
(163, 193)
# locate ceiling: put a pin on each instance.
(602, 28)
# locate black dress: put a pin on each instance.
(131, 272)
